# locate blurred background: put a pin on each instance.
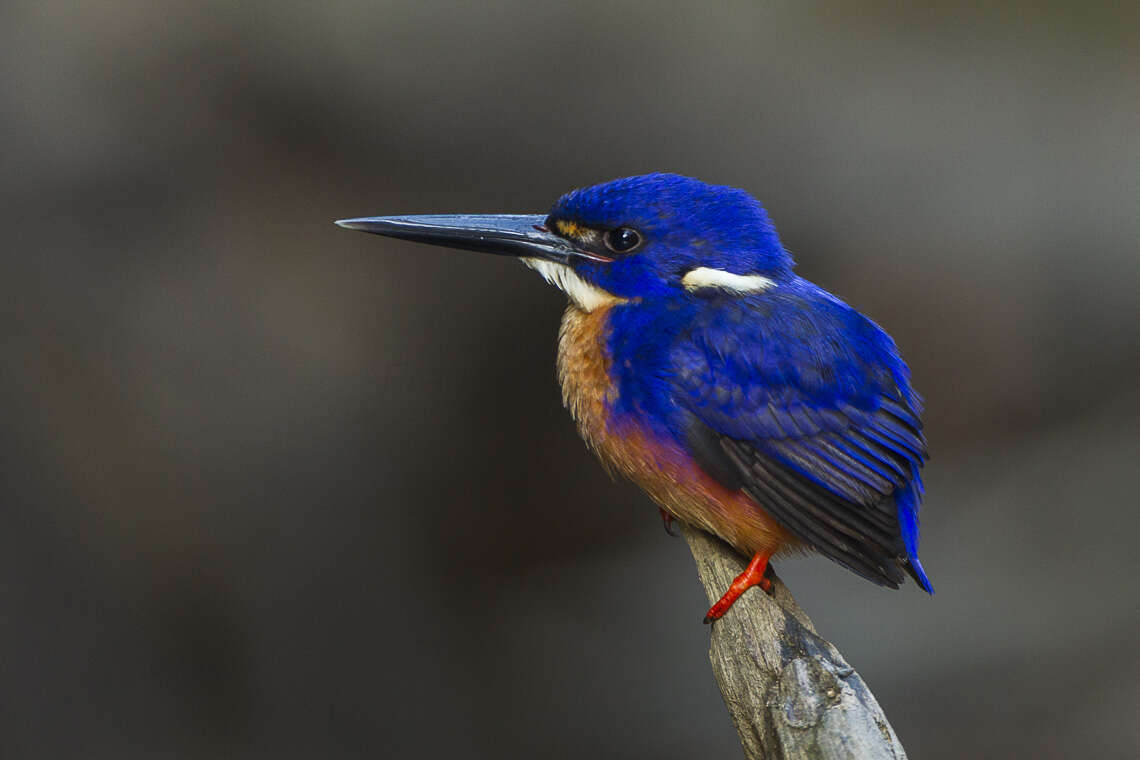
(271, 488)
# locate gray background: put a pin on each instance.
(273, 489)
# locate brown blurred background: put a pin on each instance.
(273, 489)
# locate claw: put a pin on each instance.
(766, 581)
(668, 520)
(756, 574)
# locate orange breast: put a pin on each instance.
(662, 468)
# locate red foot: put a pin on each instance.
(668, 519)
(753, 575)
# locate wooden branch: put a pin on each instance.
(789, 691)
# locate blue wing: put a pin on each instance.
(805, 404)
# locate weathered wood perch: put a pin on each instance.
(789, 691)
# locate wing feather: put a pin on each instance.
(806, 406)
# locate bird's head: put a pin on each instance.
(655, 236)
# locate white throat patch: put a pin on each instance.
(704, 277)
(585, 296)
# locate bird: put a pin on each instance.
(745, 400)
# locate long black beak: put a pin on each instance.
(520, 235)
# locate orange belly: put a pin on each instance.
(662, 468)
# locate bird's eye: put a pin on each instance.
(622, 239)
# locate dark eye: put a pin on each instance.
(622, 239)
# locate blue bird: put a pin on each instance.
(745, 400)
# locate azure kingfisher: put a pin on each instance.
(743, 399)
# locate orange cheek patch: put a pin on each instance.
(570, 229)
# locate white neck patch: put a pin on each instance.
(704, 277)
(585, 296)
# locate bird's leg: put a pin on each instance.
(668, 520)
(753, 575)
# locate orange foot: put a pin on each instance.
(668, 520)
(753, 575)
